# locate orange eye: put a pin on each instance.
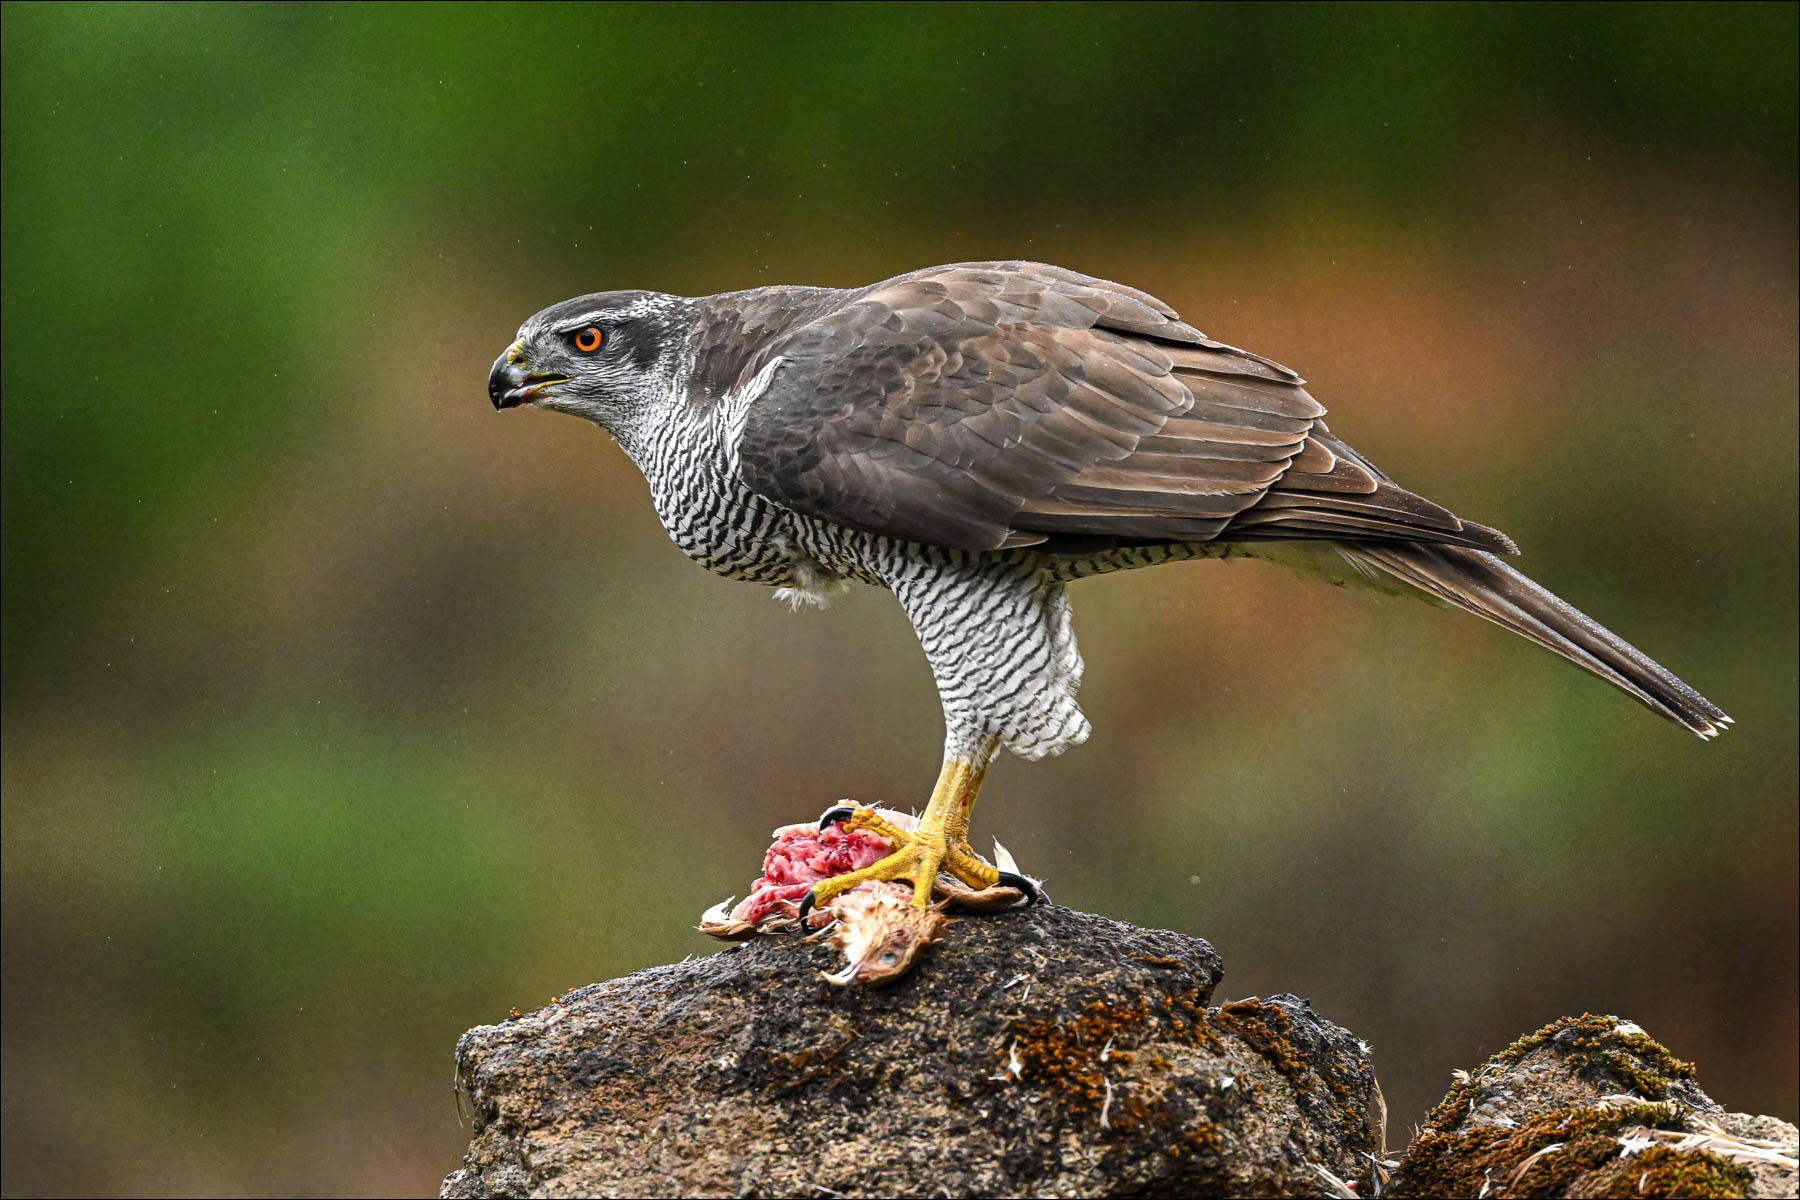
(588, 340)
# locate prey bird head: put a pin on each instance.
(881, 933)
(604, 357)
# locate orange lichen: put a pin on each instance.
(1070, 1057)
(1266, 1029)
(1571, 1151)
(1629, 1054)
(1579, 1147)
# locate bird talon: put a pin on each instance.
(837, 814)
(806, 907)
(1034, 892)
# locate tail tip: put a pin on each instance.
(1711, 725)
(1486, 537)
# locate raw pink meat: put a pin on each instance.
(801, 856)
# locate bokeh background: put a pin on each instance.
(342, 713)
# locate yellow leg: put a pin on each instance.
(941, 842)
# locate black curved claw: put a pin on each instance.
(806, 907)
(1034, 894)
(837, 814)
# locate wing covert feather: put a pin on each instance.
(991, 405)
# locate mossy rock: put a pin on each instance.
(1036, 1052)
(1592, 1106)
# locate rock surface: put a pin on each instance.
(1037, 1052)
(1592, 1106)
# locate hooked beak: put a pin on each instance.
(511, 384)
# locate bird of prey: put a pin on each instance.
(973, 438)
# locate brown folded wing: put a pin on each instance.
(992, 405)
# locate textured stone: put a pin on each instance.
(1592, 1106)
(1037, 1052)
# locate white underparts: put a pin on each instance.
(812, 588)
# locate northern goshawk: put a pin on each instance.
(974, 437)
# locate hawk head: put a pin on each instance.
(605, 357)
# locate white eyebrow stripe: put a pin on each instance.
(644, 306)
(593, 318)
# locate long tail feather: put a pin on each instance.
(1480, 583)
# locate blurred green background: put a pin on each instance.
(341, 713)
